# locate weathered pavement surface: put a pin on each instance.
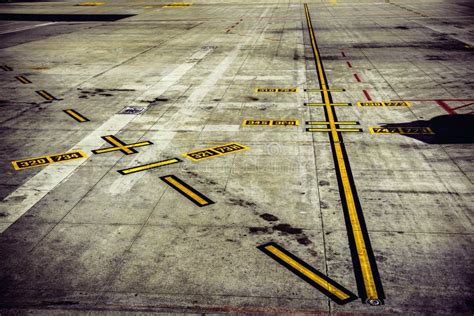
(386, 212)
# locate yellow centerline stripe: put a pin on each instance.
(149, 166)
(185, 190)
(363, 256)
(308, 273)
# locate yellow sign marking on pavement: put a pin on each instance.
(190, 193)
(46, 160)
(90, 4)
(286, 90)
(370, 286)
(270, 123)
(77, 116)
(402, 130)
(46, 95)
(178, 5)
(149, 166)
(127, 149)
(23, 79)
(384, 103)
(326, 285)
(215, 151)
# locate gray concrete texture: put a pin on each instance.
(78, 237)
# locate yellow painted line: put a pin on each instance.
(330, 104)
(45, 95)
(190, 193)
(90, 4)
(315, 278)
(363, 256)
(337, 130)
(149, 166)
(320, 90)
(308, 273)
(23, 79)
(75, 115)
(327, 123)
(46, 160)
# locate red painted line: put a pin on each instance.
(367, 95)
(445, 107)
(349, 64)
(463, 106)
(357, 77)
(343, 55)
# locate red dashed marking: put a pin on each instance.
(349, 64)
(367, 95)
(357, 78)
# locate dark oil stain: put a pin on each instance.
(83, 97)
(287, 229)
(304, 241)
(216, 100)
(259, 230)
(106, 94)
(323, 183)
(312, 252)
(4, 214)
(269, 217)
(241, 202)
(323, 205)
(402, 27)
(251, 98)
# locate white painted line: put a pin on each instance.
(26, 28)
(32, 191)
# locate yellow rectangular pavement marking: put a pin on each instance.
(215, 151)
(384, 103)
(46, 95)
(327, 123)
(23, 79)
(314, 277)
(320, 90)
(194, 196)
(368, 272)
(403, 130)
(46, 160)
(149, 166)
(270, 123)
(75, 115)
(127, 149)
(356, 130)
(286, 90)
(178, 5)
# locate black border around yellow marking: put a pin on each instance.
(127, 149)
(319, 90)
(369, 284)
(46, 95)
(216, 151)
(75, 115)
(6, 68)
(47, 160)
(277, 90)
(402, 130)
(324, 104)
(316, 130)
(23, 79)
(323, 283)
(149, 166)
(190, 193)
(270, 123)
(327, 123)
(384, 104)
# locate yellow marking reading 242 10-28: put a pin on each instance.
(46, 160)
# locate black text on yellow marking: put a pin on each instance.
(6, 68)
(384, 103)
(46, 95)
(178, 5)
(149, 166)
(402, 130)
(327, 286)
(270, 123)
(77, 116)
(46, 160)
(215, 151)
(369, 284)
(190, 193)
(127, 149)
(23, 79)
(286, 90)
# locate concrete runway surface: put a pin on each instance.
(244, 157)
